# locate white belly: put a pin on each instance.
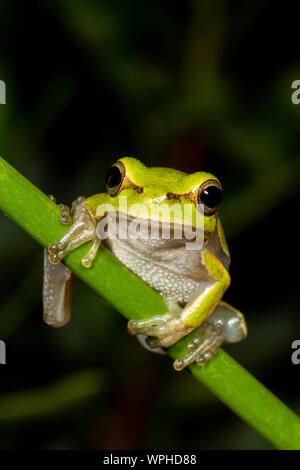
(166, 281)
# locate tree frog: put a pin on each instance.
(191, 281)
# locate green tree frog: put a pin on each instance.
(191, 281)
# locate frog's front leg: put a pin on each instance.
(81, 231)
(172, 326)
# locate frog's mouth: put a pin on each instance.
(121, 225)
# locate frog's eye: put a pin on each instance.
(210, 194)
(114, 178)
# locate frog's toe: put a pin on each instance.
(169, 339)
(65, 211)
(90, 255)
(206, 342)
(53, 254)
(65, 214)
(160, 326)
(56, 252)
(153, 326)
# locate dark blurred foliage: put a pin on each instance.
(191, 85)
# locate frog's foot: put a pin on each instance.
(224, 325)
(204, 345)
(81, 231)
(167, 329)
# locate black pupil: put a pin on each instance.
(113, 177)
(211, 196)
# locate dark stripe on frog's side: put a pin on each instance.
(189, 197)
(135, 187)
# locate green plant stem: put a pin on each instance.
(237, 388)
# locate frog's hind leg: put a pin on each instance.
(224, 325)
(57, 293)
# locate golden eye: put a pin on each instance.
(114, 178)
(210, 194)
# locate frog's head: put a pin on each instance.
(160, 188)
